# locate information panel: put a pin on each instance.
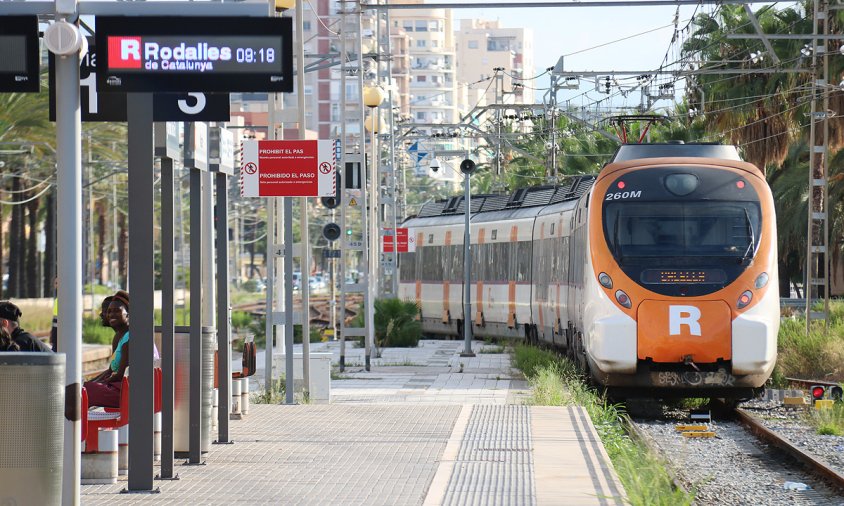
(19, 62)
(173, 54)
(288, 169)
(112, 106)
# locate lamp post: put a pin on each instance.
(372, 98)
(467, 166)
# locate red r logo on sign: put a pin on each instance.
(325, 167)
(250, 168)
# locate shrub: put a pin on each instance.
(241, 320)
(395, 324)
(94, 333)
(828, 422)
(251, 286)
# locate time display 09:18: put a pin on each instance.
(250, 55)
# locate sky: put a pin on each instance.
(576, 31)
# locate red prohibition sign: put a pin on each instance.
(250, 168)
(325, 167)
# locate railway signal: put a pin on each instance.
(331, 232)
(334, 201)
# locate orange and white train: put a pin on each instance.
(658, 276)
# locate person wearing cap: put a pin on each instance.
(104, 389)
(10, 320)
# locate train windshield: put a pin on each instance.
(688, 232)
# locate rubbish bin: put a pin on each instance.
(181, 410)
(33, 410)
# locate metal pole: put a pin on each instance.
(224, 338)
(372, 246)
(141, 249)
(368, 252)
(195, 374)
(467, 272)
(208, 287)
(168, 365)
(303, 219)
(288, 301)
(270, 308)
(69, 225)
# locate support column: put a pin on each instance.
(141, 251)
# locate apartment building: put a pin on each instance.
(481, 46)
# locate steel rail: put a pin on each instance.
(817, 466)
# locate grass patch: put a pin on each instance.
(556, 382)
(93, 331)
(828, 422)
(274, 395)
(816, 355)
(492, 349)
(37, 315)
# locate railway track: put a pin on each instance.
(319, 309)
(743, 463)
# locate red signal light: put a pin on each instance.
(817, 392)
(739, 184)
(621, 185)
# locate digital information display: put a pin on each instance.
(676, 276)
(172, 54)
(19, 58)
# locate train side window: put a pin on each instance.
(430, 238)
(494, 235)
(552, 228)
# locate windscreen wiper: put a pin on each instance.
(616, 246)
(748, 253)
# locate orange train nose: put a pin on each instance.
(670, 331)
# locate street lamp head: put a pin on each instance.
(372, 123)
(283, 5)
(435, 165)
(373, 96)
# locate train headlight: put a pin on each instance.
(681, 184)
(761, 280)
(744, 299)
(623, 298)
(605, 280)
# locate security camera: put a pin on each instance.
(435, 165)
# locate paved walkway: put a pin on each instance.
(431, 429)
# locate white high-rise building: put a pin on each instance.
(483, 45)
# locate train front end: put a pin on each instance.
(684, 283)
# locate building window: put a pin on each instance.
(473, 44)
(408, 26)
(420, 115)
(498, 44)
(335, 112)
(435, 26)
(421, 79)
(435, 43)
(421, 43)
(309, 90)
(422, 26)
(306, 25)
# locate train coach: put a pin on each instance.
(657, 276)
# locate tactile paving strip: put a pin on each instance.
(495, 462)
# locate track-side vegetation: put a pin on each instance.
(556, 382)
(817, 355)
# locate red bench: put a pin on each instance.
(111, 418)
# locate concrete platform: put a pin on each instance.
(419, 432)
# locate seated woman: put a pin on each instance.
(104, 390)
